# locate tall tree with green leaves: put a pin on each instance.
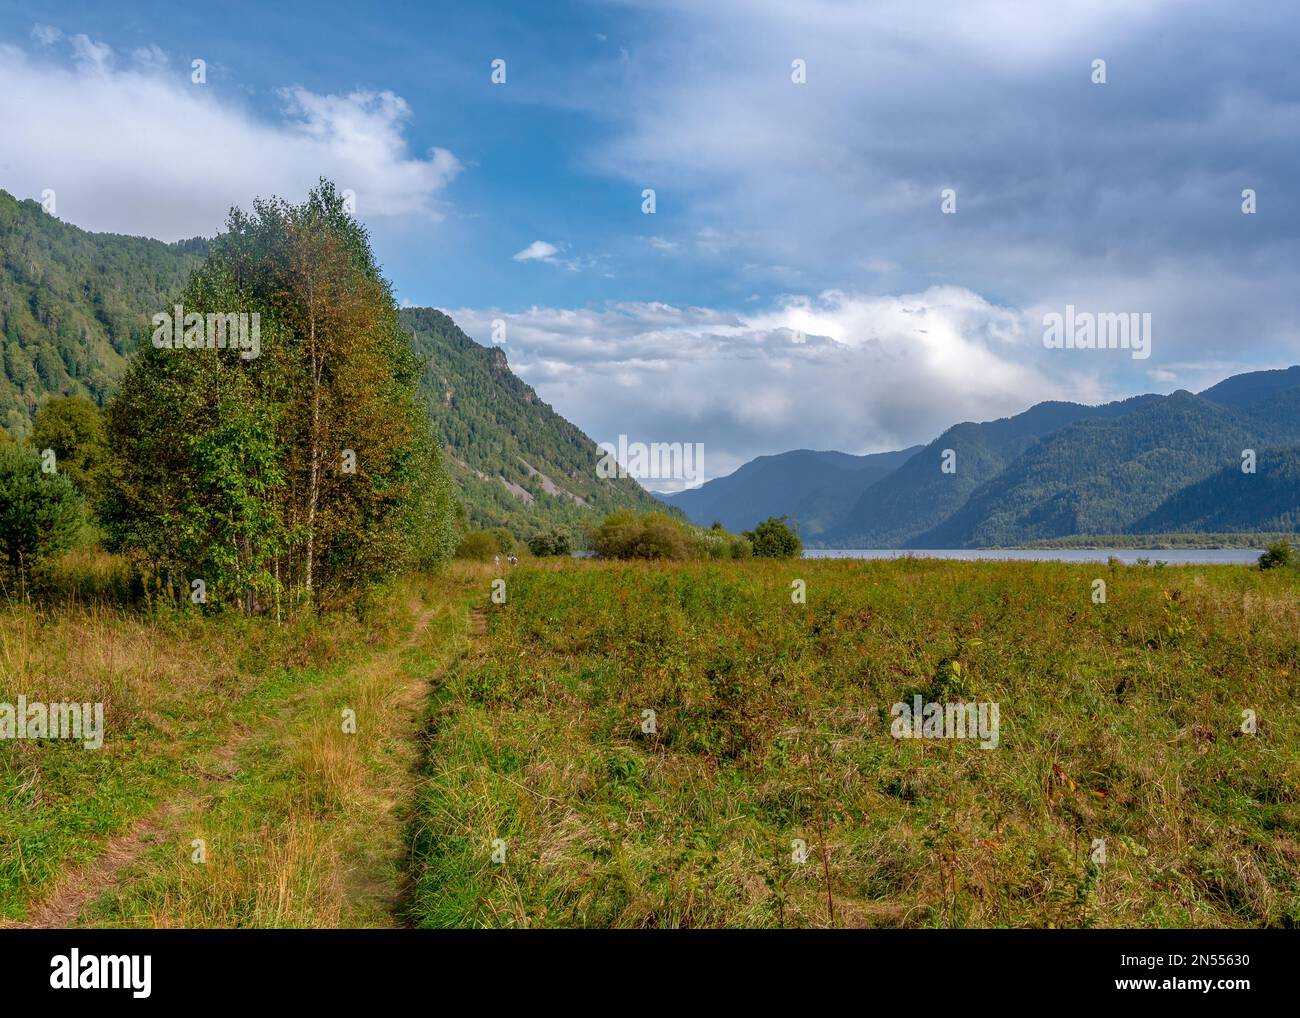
(301, 467)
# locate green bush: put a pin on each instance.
(504, 539)
(1277, 555)
(554, 543)
(774, 538)
(40, 514)
(478, 546)
(716, 543)
(73, 427)
(627, 535)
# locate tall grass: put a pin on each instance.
(178, 689)
(1121, 730)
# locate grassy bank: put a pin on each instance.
(1120, 730)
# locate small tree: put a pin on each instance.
(626, 535)
(555, 543)
(40, 514)
(479, 546)
(74, 428)
(1277, 555)
(774, 538)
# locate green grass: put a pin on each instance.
(1119, 721)
(225, 724)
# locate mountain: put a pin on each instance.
(75, 305)
(1252, 387)
(1231, 500)
(813, 488)
(919, 496)
(1097, 476)
(517, 462)
(1145, 465)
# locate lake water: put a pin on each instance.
(1173, 556)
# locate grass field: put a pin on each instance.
(500, 773)
(1120, 723)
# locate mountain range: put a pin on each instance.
(75, 305)
(1145, 465)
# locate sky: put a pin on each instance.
(863, 212)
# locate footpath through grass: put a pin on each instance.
(225, 743)
(1123, 790)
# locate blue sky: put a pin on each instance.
(798, 284)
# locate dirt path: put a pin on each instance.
(62, 906)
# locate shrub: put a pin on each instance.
(716, 543)
(478, 546)
(555, 543)
(773, 538)
(627, 535)
(1277, 555)
(74, 428)
(40, 514)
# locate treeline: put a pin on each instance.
(291, 469)
(1164, 542)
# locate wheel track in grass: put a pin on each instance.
(63, 905)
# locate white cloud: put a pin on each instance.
(46, 35)
(537, 251)
(142, 151)
(90, 54)
(870, 372)
(150, 56)
(1128, 191)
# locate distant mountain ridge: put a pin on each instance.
(814, 488)
(1148, 464)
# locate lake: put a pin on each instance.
(1173, 556)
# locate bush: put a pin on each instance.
(773, 538)
(74, 428)
(40, 514)
(716, 543)
(478, 546)
(555, 543)
(1277, 555)
(626, 535)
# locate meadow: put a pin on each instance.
(1123, 790)
(668, 745)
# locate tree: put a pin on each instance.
(1277, 555)
(628, 535)
(479, 546)
(40, 513)
(302, 464)
(73, 427)
(774, 538)
(554, 543)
